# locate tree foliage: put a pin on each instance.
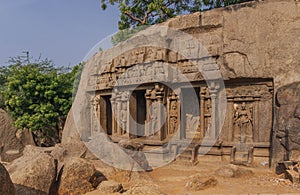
(36, 94)
(143, 12)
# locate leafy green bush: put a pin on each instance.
(37, 94)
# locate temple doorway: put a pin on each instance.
(190, 111)
(106, 114)
(138, 112)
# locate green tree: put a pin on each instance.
(143, 12)
(38, 95)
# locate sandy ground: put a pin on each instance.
(172, 179)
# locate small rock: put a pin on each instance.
(110, 187)
(134, 150)
(143, 189)
(200, 182)
(78, 177)
(97, 178)
(232, 171)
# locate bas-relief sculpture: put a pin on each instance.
(248, 103)
(243, 123)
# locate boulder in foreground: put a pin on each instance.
(6, 185)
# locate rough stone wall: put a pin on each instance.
(254, 39)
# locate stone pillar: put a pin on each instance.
(202, 111)
(213, 116)
(113, 103)
(213, 89)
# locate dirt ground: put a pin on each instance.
(172, 179)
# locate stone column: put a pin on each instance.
(113, 126)
(202, 111)
(213, 115)
(213, 89)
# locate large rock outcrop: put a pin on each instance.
(287, 126)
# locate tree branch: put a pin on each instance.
(138, 19)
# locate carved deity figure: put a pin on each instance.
(123, 118)
(243, 127)
(173, 117)
(123, 112)
(153, 118)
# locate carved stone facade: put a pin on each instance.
(141, 88)
(151, 102)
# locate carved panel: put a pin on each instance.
(249, 113)
(243, 123)
(155, 54)
(174, 110)
(119, 101)
(144, 73)
(155, 128)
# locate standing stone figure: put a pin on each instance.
(173, 117)
(124, 112)
(243, 128)
(153, 118)
(123, 118)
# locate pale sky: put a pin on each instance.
(61, 30)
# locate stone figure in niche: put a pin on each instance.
(173, 117)
(124, 112)
(243, 124)
(123, 118)
(192, 122)
(154, 118)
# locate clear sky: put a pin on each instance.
(61, 30)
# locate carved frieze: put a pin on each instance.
(144, 73)
(249, 93)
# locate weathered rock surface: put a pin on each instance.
(6, 185)
(143, 189)
(134, 150)
(70, 133)
(78, 177)
(10, 146)
(110, 187)
(35, 170)
(232, 171)
(200, 182)
(288, 122)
